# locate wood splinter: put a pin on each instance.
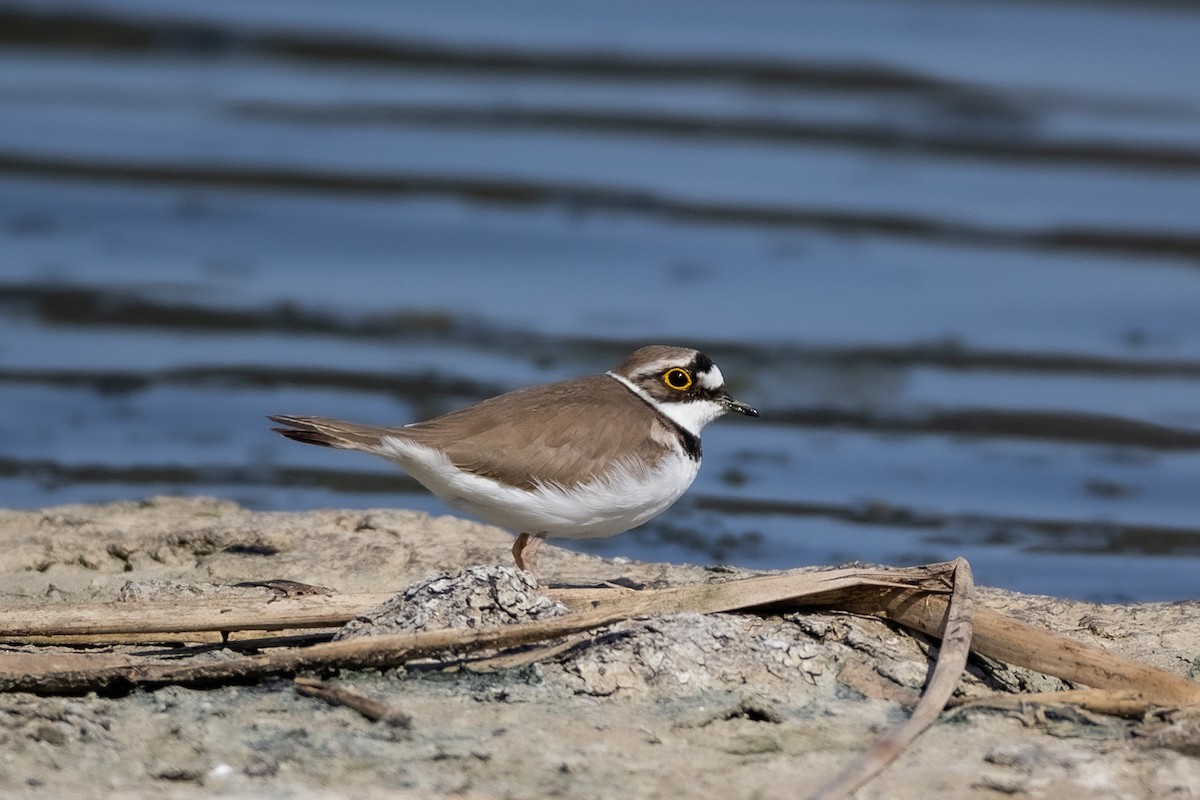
(373, 710)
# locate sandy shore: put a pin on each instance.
(731, 705)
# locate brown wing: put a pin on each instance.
(562, 433)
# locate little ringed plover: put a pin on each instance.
(585, 457)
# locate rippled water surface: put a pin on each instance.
(950, 250)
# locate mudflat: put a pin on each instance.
(722, 705)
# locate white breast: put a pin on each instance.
(622, 499)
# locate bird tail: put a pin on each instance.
(330, 432)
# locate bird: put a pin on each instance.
(586, 457)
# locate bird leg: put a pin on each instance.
(525, 553)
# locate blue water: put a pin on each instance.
(951, 251)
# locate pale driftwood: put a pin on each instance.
(951, 661)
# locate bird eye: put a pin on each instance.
(678, 379)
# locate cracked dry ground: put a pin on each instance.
(737, 705)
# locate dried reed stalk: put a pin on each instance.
(915, 597)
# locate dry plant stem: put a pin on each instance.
(59, 672)
(197, 640)
(322, 611)
(543, 652)
(951, 661)
(922, 608)
(371, 709)
(1014, 642)
(269, 612)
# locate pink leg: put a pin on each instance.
(525, 553)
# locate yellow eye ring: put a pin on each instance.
(678, 379)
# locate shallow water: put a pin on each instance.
(951, 252)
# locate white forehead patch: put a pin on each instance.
(713, 379)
